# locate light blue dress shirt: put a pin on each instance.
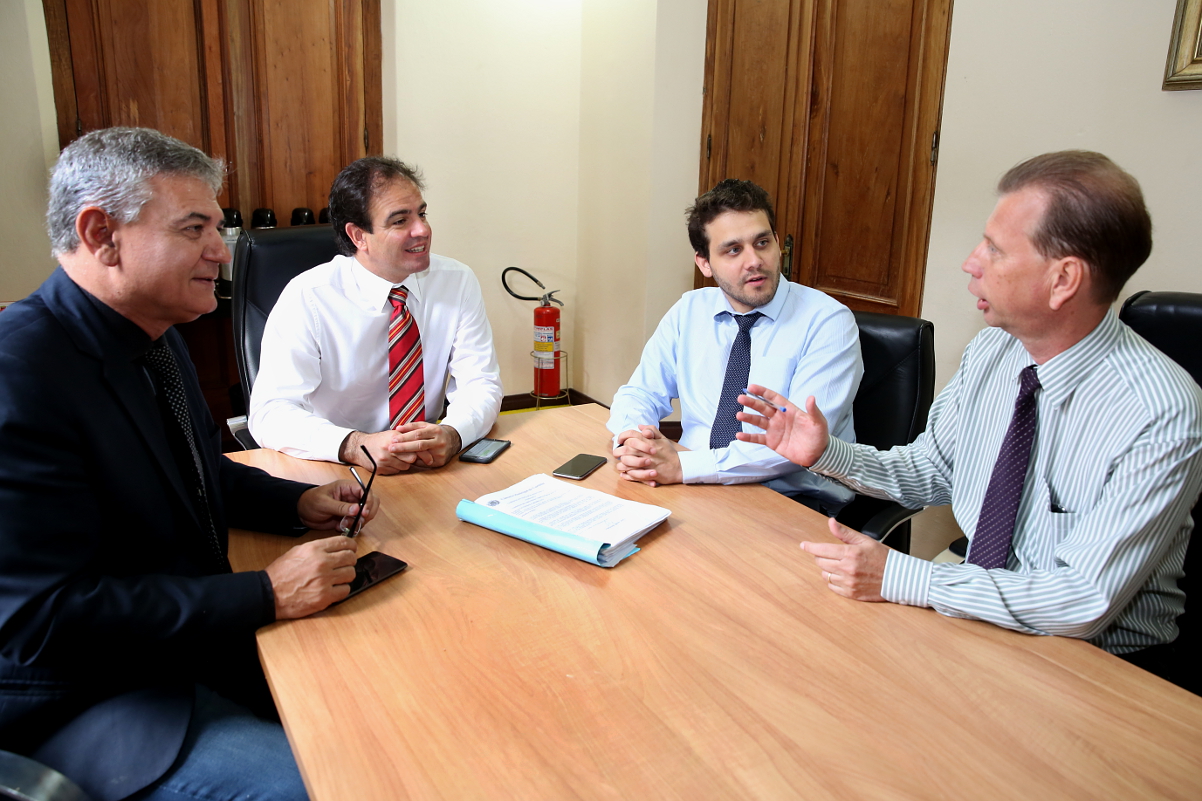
(806, 343)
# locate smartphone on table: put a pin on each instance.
(579, 466)
(372, 568)
(483, 451)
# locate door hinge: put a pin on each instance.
(709, 142)
(934, 148)
(78, 127)
(366, 148)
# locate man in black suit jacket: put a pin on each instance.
(124, 636)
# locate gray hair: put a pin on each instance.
(111, 169)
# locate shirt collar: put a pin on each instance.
(1060, 375)
(771, 309)
(372, 290)
(128, 340)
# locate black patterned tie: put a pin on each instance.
(164, 371)
(995, 526)
(738, 368)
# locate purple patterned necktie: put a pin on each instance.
(995, 526)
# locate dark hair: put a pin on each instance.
(355, 188)
(111, 168)
(729, 195)
(1095, 212)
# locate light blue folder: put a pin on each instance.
(581, 548)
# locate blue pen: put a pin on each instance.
(751, 394)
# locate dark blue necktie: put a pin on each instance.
(995, 526)
(169, 384)
(738, 368)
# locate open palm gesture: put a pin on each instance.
(801, 436)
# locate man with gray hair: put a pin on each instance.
(127, 653)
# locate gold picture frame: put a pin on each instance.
(1184, 67)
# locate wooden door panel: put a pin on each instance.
(863, 148)
(152, 66)
(137, 63)
(756, 132)
(831, 106)
(87, 65)
(286, 91)
(866, 215)
(298, 105)
(757, 81)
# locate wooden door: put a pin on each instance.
(286, 91)
(309, 91)
(833, 107)
(121, 62)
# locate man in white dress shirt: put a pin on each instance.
(752, 326)
(362, 351)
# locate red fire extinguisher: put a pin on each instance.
(546, 336)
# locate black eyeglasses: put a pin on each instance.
(357, 523)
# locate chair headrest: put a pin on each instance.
(1172, 321)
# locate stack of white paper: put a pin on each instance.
(579, 522)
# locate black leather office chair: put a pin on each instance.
(264, 262)
(1172, 321)
(891, 409)
(23, 779)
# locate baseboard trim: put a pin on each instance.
(526, 400)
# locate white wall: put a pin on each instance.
(486, 100)
(560, 137)
(30, 136)
(643, 69)
(1026, 77)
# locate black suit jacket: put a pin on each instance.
(111, 606)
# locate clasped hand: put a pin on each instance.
(647, 456)
(396, 450)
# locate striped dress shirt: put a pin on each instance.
(1104, 519)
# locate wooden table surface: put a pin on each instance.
(713, 664)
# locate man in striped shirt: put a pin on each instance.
(1103, 512)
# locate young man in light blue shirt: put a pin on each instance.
(792, 336)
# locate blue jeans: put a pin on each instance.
(229, 754)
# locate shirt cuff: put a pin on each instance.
(836, 460)
(469, 429)
(698, 467)
(268, 597)
(326, 444)
(907, 579)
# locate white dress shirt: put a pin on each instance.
(323, 368)
(1104, 519)
(807, 343)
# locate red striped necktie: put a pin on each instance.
(406, 383)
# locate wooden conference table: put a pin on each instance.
(714, 664)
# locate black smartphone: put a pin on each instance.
(579, 466)
(372, 568)
(483, 451)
